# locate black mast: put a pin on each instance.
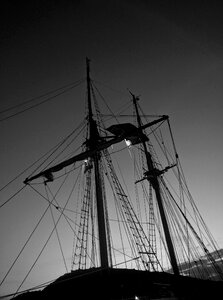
(92, 143)
(153, 178)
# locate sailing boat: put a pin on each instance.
(152, 245)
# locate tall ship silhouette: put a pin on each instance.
(117, 186)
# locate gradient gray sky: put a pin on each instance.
(169, 52)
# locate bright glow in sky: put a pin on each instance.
(171, 55)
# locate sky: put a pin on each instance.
(168, 52)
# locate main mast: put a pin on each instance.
(152, 176)
(92, 143)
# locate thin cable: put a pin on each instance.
(105, 102)
(44, 246)
(63, 150)
(26, 243)
(103, 99)
(38, 97)
(58, 237)
(53, 150)
(38, 104)
(61, 210)
(110, 88)
(12, 196)
(198, 238)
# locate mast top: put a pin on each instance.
(88, 64)
(90, 113)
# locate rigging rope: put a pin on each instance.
(200, 241)
(30, 236)
(44, 246)
(40, 96)
(58, 237)
(38, 104)
(50, 152)
(59, 145)
(49, 204)
(9, 199)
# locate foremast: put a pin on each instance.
(152, 175)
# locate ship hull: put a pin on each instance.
(117, 284)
